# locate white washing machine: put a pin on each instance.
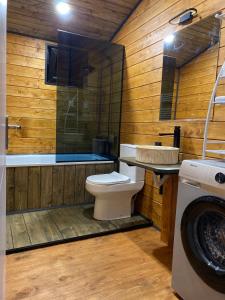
(198, 270)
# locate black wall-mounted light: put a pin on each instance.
(184, 17)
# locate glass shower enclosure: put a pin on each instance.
(89, 91)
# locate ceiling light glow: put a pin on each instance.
(63, 8)
(169, 39)
(3, 2)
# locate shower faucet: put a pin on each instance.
(14, 126)
(7, 127)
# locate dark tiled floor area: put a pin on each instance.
(41, 227)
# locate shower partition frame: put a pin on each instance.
(110, 125)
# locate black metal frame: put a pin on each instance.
(47, 45)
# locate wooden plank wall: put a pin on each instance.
(30, 188)
(30, 102)
(142, 36)
(197, 79)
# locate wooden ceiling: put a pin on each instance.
(93, 18)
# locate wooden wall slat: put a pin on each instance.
(100, 169)
(46, 187)
(10, 188)
(80, 184)
(57, 185)
(21, 188)
(89, 170)
(34, 187)
(69, 184)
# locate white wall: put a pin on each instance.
(3, 6)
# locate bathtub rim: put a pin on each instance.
(53, 162)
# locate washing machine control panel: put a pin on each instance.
(208, 174)
(220, 177)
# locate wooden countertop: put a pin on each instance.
(158, 169)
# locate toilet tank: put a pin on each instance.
(134, 173)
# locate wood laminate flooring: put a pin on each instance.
(47, 226)
(123, 266)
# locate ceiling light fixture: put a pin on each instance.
(3, 2)
(169, 39)
(62, 8)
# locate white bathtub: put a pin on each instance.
(50, 159)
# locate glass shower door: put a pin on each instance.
(89, 85)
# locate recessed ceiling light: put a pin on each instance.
(62, 8)
(169, 39)
(3, 2)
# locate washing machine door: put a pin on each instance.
(203, 238)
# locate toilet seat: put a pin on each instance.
(108, 179)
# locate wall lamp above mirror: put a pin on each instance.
(184, 17)
(190, 59)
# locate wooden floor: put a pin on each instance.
(122, 266)
(40, 227)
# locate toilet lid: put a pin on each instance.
(104, 179)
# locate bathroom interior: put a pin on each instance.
(46, 197)
(109, 107)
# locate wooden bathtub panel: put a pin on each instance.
(46, 187)
(103, 168)
(58, 185)
(21, 188)
(69, 185)
(38, 187)
(34, 187)
(10, 188)
(80, 184)
(89, 170)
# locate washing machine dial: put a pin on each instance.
(220, 177)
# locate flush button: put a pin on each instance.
(220, 178)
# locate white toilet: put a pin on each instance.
(113, 192)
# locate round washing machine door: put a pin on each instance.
(203, 238)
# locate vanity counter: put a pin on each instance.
(157, 169)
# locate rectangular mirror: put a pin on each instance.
(189, 70)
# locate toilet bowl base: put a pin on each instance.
(115, 206)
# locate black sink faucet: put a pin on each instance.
(176, 136)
